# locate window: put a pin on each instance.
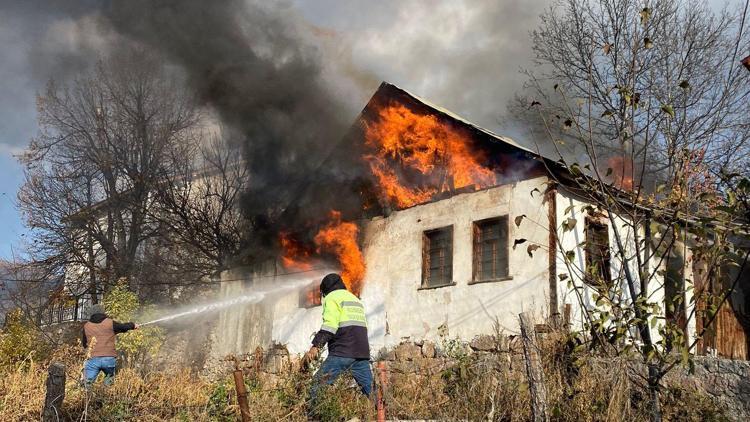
(597, 253)
(491, 249)
(437, 257)
(309, 297)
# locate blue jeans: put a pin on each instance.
(94, 365)
(334, 366)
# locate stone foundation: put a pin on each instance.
(725, 381)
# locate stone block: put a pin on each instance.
(386, 354)
(503, 343)
(277, 360)
(483, 343)
(515, 345)
(428, 350)
(404, 367)
(407, 351)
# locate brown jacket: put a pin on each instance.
(100, 332)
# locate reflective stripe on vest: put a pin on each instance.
(342, 309)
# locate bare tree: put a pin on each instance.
(657, 78)
(106, 141)
(199, 212)
(653, 99)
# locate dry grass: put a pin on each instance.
(465, 387)
(171, 396)
(286, 397)
(153, 397)
(488, 387)
(21, 392)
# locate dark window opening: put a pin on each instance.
(491, 249)
(437, 257)
(310, 297)
(598, 261)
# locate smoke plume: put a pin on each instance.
(286, 79)
(248, 64)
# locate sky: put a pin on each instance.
(464, 55)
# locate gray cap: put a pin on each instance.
(96, 309)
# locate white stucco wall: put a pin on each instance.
(396, 305)
(568, 206)
(393, 252)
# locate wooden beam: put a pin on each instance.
(534, 371)
(551, 199)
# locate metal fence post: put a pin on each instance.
(382, 385)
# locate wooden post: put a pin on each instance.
(383, 377)
(534, 370)
(239, 385)
(55, 393)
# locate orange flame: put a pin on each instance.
(340, 238)
(294, 256)
(622, 172)
(421, 143)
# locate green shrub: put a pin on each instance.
(123, 305)
(20, 340)
(219, 402)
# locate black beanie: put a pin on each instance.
(330, 283)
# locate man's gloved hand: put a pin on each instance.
(310, 356)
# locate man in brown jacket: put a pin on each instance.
(98, 335)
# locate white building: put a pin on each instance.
(480, 282)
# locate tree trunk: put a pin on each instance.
(55, 393)
(653, 389)
(534, 370)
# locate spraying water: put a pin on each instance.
(255, 296)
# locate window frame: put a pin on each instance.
(593, 221)
(426, 261)
(310, 297)
(476, 252)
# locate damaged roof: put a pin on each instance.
(391, 91)
(456, 117)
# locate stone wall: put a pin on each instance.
(725, 381)
(427, 358)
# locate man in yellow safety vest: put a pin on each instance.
(344, 329)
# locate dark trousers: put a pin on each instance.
(334, 366)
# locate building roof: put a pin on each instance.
(456, 117)
(557, 169)
(389, 90)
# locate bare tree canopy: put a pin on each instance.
(198, 208)
(658, 84)
(107, 140)
(646, 103)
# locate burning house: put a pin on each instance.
(455, 236)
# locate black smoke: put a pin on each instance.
(269, 70)
(249, 64)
